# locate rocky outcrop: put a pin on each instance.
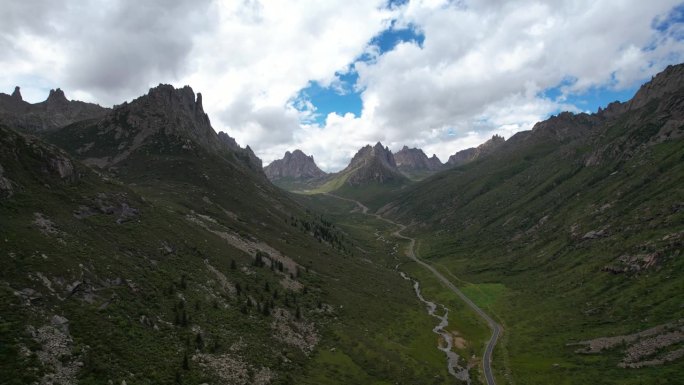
(55, 112)
(669, 81)
(245, 155)
(17, 94)
(648, 347)
(414, 159)
(470, 154)
(434, 163)
(6, 190)
(296, 165)
(170, 111)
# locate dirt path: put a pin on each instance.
(493, 325)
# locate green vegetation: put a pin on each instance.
(562, 249)
(142, 261)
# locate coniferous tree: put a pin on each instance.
(199, 342)
(184, 319)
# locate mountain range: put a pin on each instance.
(295, 165)
(56, 111)
(140, 246)
(370, 165)
(574, 231)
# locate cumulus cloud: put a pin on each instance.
(105, 51)
(263, 54)
(482, 68)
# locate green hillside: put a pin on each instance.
(178, 264)
(576, 230)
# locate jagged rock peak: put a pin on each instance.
(17, 93)
(372, 164)
(379, 152)
(414, 159)
(246, 155)
(296, 165)
(168, 95)
(179, 108)
(668, 81)
(57, 96)
(228, 141)
(470, 154)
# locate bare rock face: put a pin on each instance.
(245, 155)
(669, 81)
(170, 111)
(414, 159)
(470, 154)
(5, 185)
(295, 165)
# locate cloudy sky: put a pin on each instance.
(330, 76)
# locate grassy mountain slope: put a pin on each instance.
(569, 232)
(177, 264)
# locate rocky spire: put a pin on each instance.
(17, 94)
(56, 96)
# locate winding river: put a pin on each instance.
(454, 368)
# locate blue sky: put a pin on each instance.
(343, 96)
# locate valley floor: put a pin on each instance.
(496, 329)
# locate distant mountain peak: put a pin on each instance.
(414, 159)
(372, 164)
(54, 112)
(470, 154)
(296, 165)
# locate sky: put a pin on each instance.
(329, 77)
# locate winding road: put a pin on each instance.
(493, 325)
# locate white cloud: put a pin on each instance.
(483, 66)
(480, 70)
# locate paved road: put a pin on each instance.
(493, 325)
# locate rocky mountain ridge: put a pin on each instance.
(414, 159)
(470, 154)
(55, 112)
(166, 119)
(583, 212)
(198, 268)
(372, 164)
(295, 165)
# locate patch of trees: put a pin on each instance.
(322, 230)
